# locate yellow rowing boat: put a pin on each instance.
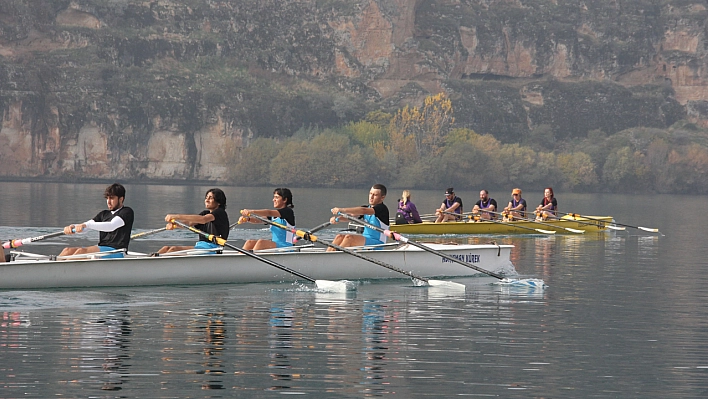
(563, 225)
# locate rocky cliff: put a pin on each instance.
(174, 89)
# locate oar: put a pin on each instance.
(576, 231)
(148, 233)
(398, 237)
(319, 227)
(309, 237)
(575, 215)
(24, 241)
(337, 286)
(592, 224)
(508, 224)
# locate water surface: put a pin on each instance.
(624, 315)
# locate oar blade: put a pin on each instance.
(545, 231)
(575, 230)
(526, 282)
(335, 286)
(648, 229)
(618, 228)
(447, 285)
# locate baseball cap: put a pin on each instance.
(449, 191)
(516, 191)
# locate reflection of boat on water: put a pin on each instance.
(591, 224)
(232, 267)
(105, 343)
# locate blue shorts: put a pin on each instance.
(206, 245)
(103, 248)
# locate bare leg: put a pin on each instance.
(337, 241)
(353, 240)
(68, 251)
(173, 248)
(264, 244)
(79, 250)
(249, 245)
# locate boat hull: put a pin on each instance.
(231, 267)
(596, 224)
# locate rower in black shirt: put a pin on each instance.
(214, 220)
(114, 225)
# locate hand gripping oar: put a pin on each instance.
(398, 237)
(609, 224)
(309, 237)
(24, 241)
(508, 224)
(576, 231)
(335, 286)
(148, 233)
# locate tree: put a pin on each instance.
(624, 170)
(253, 168)
(427, 126)
(578, 171)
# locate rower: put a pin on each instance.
(283, 214)
(114, 225)
(376, 214)
(485, 204)
(516, 209)
(548, 207)
(452, 204)
(214, 220)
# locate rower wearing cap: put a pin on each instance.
(516, 209)
(452, 204)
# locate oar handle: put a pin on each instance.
(220, 241)
(401, 238)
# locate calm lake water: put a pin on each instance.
(624, 316)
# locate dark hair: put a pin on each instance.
(219, 196)
(286, 194)
(381, 187)
(115, 189)
(485, 191)
(549, 189)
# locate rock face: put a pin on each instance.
(168, 89)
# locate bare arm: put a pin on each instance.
(260, 212)
(354, 211)
(188, 219)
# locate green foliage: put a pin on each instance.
(366, 133)
(379, 117)
(253, 169)
(624, 170)
(328, 160)
(577, 171)
(541, 137)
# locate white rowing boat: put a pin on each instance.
(28, 271)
